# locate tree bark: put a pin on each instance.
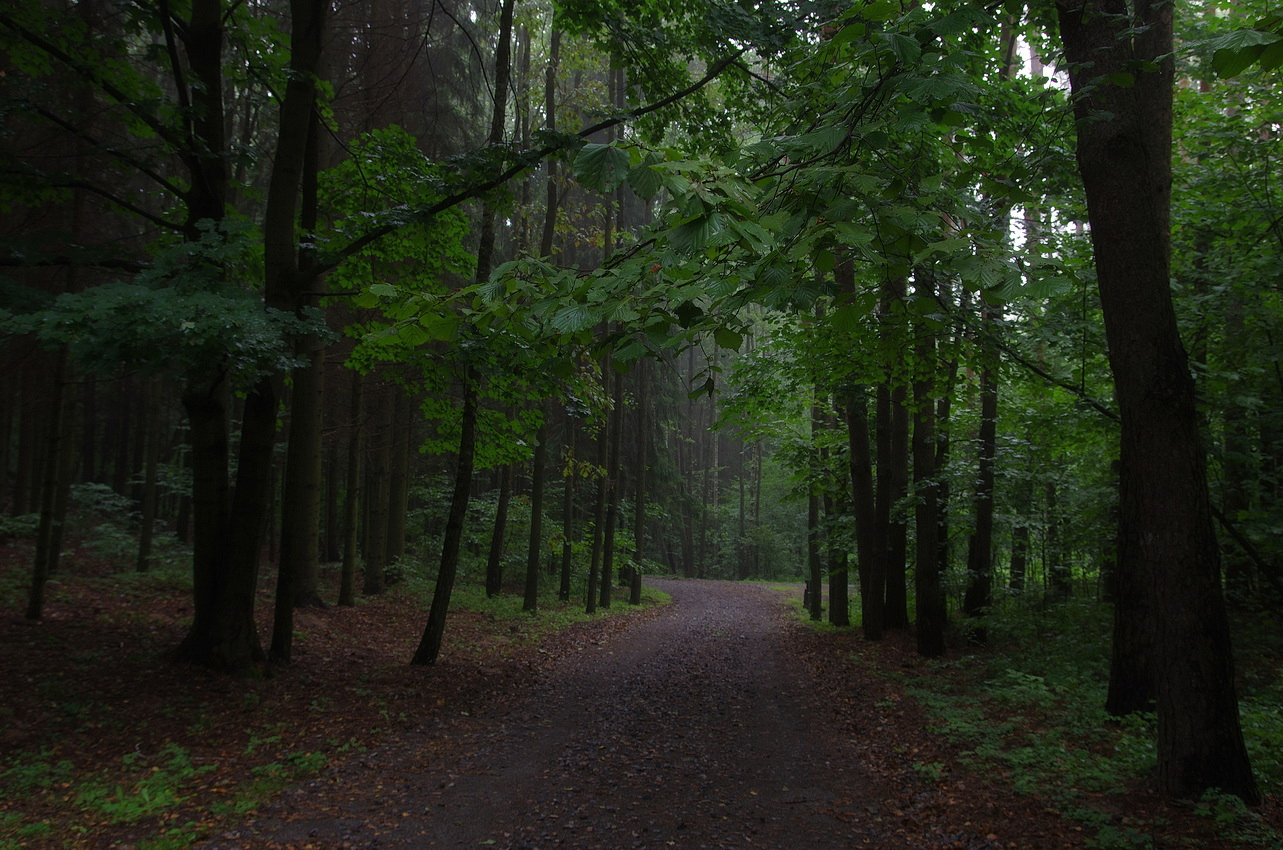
(352, 498)
(1167, 538)
(569, 476)
(47, 535)
(612, 503)
(538, 475)
(872, 563)
(930, 602)
(979, 595)
(430, 644)
(494, 561)
(639, 478)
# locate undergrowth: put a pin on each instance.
(1029, 709)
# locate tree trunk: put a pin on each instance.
(430, 644)
(613, 488)
(930, 602)
(814, 571)
(599, 517)
(979, 595)
(398, 476)
(1022, 503)
(639, 478)
(352, 498)
(1168, 544)
(47, 533)
(378, 458)
(569, 475)
(872, 562)
(494, 562)
(538, 475)
(155, 431)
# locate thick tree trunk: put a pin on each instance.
(1167, 543)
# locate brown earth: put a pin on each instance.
(706, 726)
(717, 721)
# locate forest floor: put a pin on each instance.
(721, 720)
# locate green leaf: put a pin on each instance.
(727, 338)
(1234, 52)
(645, 181)
(601, 167)
(692, 237)
(688, 313)
(575, 318)
(383, 290)
(846, 319)
(905, 48)
(849, 33)
(443, 327)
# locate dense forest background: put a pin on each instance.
(546, 296)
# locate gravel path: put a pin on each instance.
(693, 729)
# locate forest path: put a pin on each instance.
(696, 728)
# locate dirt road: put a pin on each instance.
(694, 729)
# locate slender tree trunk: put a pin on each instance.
(151, 462)
(570, 476)
(538, 475)
(55, 444)
(398, 476)
(332, 541)
(639, 477)
(430, 643)
(815, 569)
(378, 456)
(872, 563)
(1022, 504)
(979, 595)
(612, 479)
(930, 602)
(839, 584)
(1168, 544)
(599, 517)
(352, 497)
(494, 562)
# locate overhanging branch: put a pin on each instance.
(525, 160)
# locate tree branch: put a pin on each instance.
(524, 160)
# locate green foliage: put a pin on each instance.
(1234, 52)
(156, 790)
(27, 773)
(1031, 707)
(195, 308)
(108, 524)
